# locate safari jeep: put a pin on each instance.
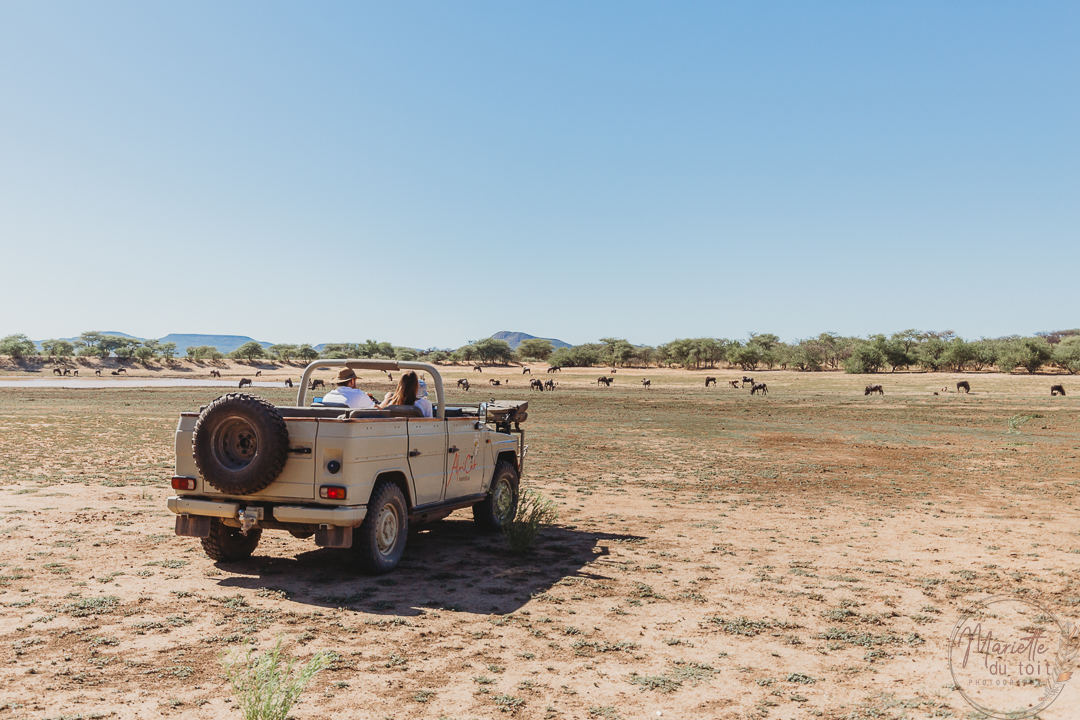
(350, 478)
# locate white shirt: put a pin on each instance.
(352, 397)
(425, 406)
(421, 402)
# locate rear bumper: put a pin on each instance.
(299, 514)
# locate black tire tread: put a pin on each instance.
(484, 511)
(226, 544)
(365, 551)
(273, 449)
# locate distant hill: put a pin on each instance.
(516, 338)
(224, 343)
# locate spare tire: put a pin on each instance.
(240, 443)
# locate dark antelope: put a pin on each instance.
(606, 380)
(245, 381)
(874, 389)
(759, 386)
(1057, 390)
(963, 384)
(646, 382)
(710, 380)
(536, 384)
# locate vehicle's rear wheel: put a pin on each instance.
(500, 505)
(240, 443)
(379, 542)
(228, 544)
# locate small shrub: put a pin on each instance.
(533, 512)
(266, 686)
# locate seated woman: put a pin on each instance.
(409, 393)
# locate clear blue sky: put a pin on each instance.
(429, 173)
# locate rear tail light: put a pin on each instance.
(331, 492)
(183, 483)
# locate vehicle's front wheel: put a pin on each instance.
(379, 542)
(228, 544)
(500, 505)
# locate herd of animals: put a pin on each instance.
(550, 385)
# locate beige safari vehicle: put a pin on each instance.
(351, 478)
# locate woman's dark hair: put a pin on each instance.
(407, 390)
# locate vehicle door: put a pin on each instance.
(465, 463)
(427, 458)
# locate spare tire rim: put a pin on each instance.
(386, 529)
(235, 443)
(503, 501)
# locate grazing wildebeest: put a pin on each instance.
(494, 382)
(478, 369)
(709, 380)
(245, 381)
(288, 382)
(114, 373)
(76, 374)
(57, 371)
(759, 386)
(258, 373)
(1057, 390)
(97, 372)
(746, 380)
(215, 373)
(526, 370)
(606, 380)
(550, 384)
(733, 383)
(536, 384)
(554, 369)
(463, 383)
(317, 383)
(874, 389)
(963, 384)
(646, 382)
(121, 370)
(67, 371)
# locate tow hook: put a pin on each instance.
(249, 517)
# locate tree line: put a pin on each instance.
(923, 350)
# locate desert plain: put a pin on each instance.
(803, 554)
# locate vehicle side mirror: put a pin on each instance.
(482, 412)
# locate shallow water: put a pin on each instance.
(135, 382)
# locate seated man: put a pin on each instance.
(346, 392)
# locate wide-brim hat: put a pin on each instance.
(344, 376)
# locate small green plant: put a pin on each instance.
(1017, 421)
(266, 686)
(533, 512)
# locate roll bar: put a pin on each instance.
(385, 365)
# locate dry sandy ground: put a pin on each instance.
(799, 555)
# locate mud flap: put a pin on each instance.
(333, 536)
(193, 525)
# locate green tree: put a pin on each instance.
(144, 354)
(57, 348)
(535, 349)
(985, 353)
(490, 350)
(585, 355)
(745, 356)
(249, 351)
(406, 354)
(958, 353)
(1067, 354)
(281, 351)
(17, 346)
(864, 358)
(307, 353)
(1030, 353)
(168, 350)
